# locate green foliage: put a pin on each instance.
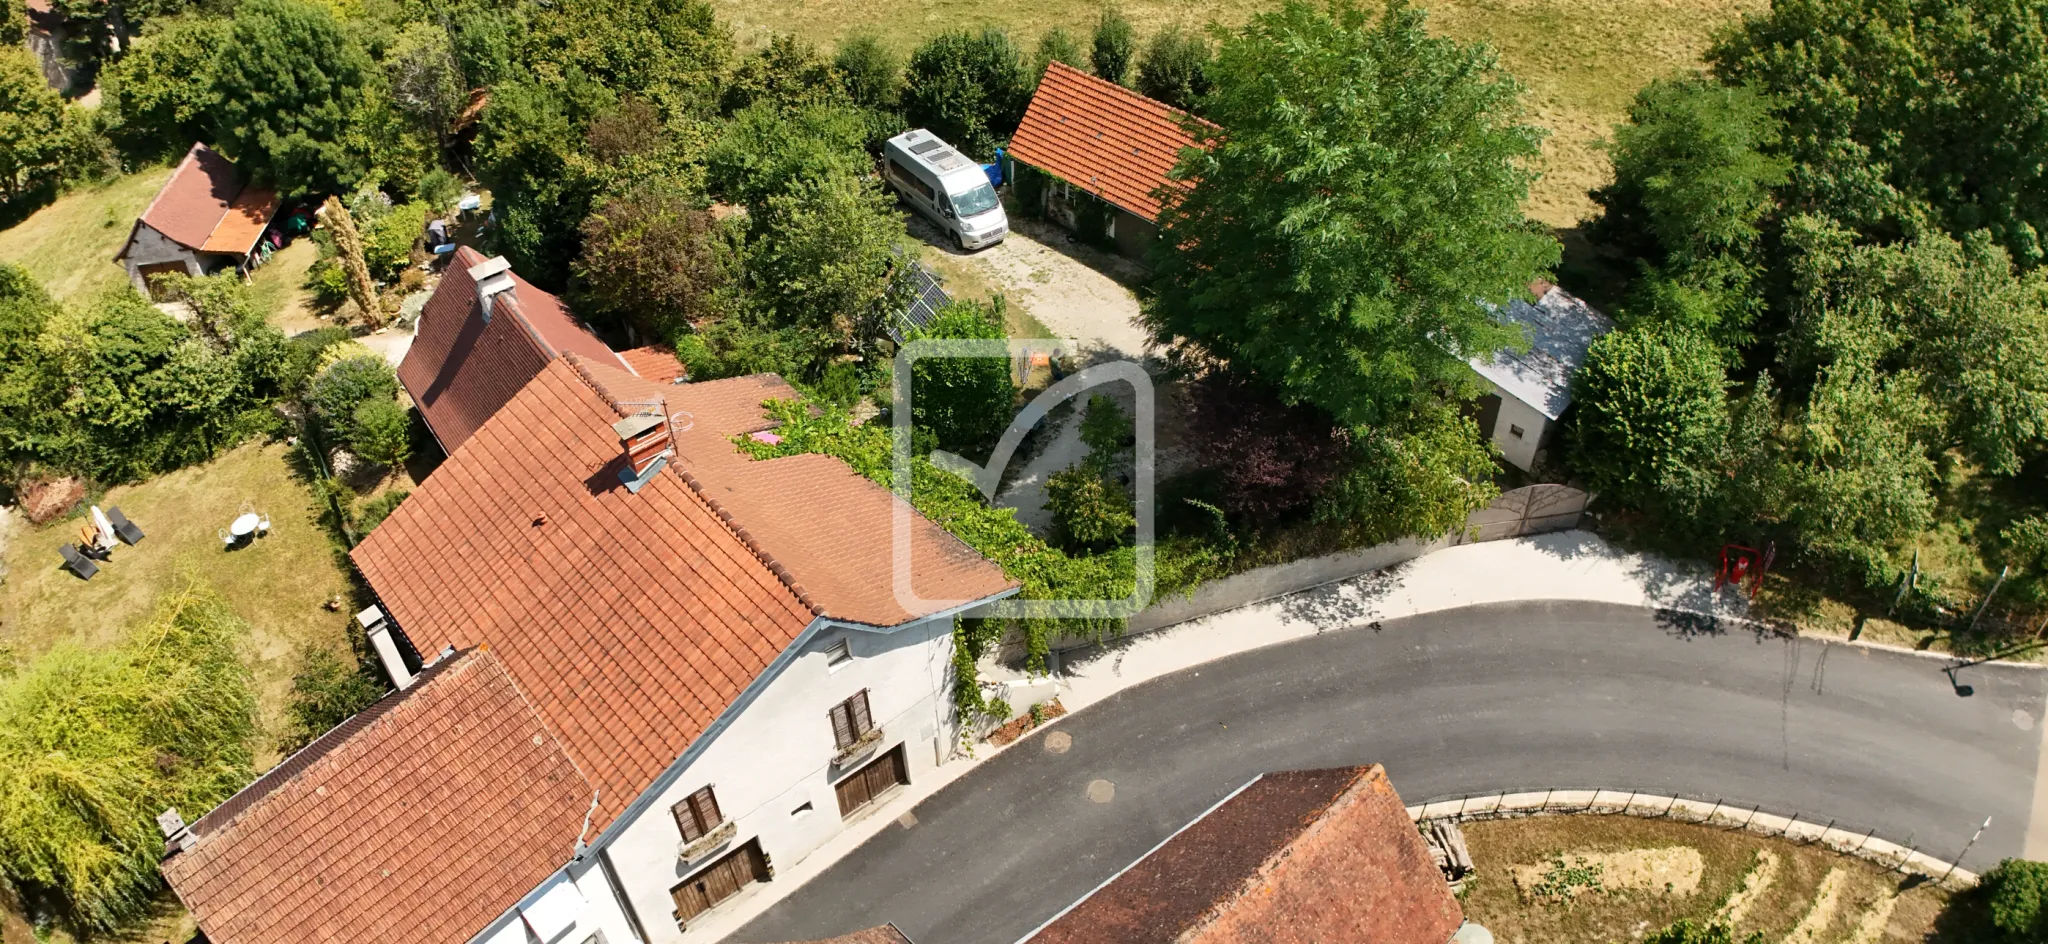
(438, 191)
(328, 689)
(32, 141)
(966, 402)
(347, 384)
(788, 73)
(742, 344)
(425, 79)
(1086, 510)
(1057, 45)
(287, 81)
(872, 76)
(1892, 120)
(668, 52)
(1175, 68)
(827, 258)
(2019, 899)
(969, 89)
(1341, 275)
(95, 743)
(388, 242)
(381, 431)
(1105, 428)
(1564, 880)
(767, 150)
(1687, 932)
(1421, 480)
(652, 259)
(526, 157)
(373, 512)
(1652, 417)
(1114, 46)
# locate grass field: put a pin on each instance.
(1617, 916)
(69, 246)
(278, 582)
(1583, 60)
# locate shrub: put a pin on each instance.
(1652, 419)
(437, 191)
(327, 691)
(970, 89)
(872, 76)
(346, 384)
(768, 150)
(1175, 68)
(1115, 44)
(2019, 900)
(966, 402)
(652, 260)
(1273, 459)
(373, 512)
(1086, 510)
(381, 432)
(1057, 45)
(388, 243)
(95, 743)
(328, 282)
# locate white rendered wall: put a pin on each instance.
(775, 757)
(1520, 451)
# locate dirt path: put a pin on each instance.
(1075, 291)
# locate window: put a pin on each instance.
(840, 654)
(977, 201)
(908, 179)
(1515, 431)
(698, 814)
(851, 721)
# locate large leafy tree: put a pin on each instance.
(160, 95)
(32, 139)
(1359, 192)
(669, 52)
(966, 402)
(652, 260)
(1652, 417)
(1175, 69)
(767, 150)
(828, 258)
(289, 80)
(1900, 113)
(969, 88)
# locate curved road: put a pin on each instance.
(1479, 699)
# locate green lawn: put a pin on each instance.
(278, 583)
(1582, 59)
(69, 246)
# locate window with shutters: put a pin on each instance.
(698, 814)
(851, 720)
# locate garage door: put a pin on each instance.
(703, 891)
(867, 783)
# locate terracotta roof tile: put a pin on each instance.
(1101, 137)
(1294, 858)
(243, 222)
(657, 364)
(192, 202)
(343, 841)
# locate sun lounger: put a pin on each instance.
(123, 527)
(78, 563)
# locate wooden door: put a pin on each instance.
(860, 789)
(722, 880)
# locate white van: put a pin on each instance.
(944, 185)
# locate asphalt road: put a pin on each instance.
(1466, 701)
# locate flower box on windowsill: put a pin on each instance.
(703, 845)
(852, 752)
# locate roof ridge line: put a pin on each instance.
(188, 161)
(510, 302)
(703, 494)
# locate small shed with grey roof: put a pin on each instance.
(1532, 390)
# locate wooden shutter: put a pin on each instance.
(842, 726)
(697, 814)
(858, 707)
(704, 890)
(870, 782)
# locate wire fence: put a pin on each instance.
(1850, 839)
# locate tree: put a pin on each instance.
(327, 689)
(95, 743)
(347, 384)
(160, 95)
(767, 150)
(1892, 119)
(669, 52)
(969, 89)
(787, 73)
(1422, 478)
(388, 243)
(1175, 68)
(651, 259)
(1652, 418)
(381, 432)
(966, 402)
(1057, 45)
(828, 257)
(527, 155)
(32, 141)
(870, 71)
(1274, 459)
(2019, 899)
(348, 245)
(426, 81)
(288, 80)
(1114, 46)
(1338, 274)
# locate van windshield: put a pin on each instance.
(975, 202)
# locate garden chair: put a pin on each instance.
(123, 527)
(226, 539)
(78, 563)
(263, 525)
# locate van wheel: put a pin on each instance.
(960, 241)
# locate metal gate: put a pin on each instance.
(1531, 509)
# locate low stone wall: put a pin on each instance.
(1864, 845)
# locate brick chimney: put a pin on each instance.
(648, 441)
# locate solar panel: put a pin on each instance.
(924, 304)
(951, 160)
(926, 146)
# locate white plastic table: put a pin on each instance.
(243, 526)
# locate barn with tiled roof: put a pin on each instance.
(204, 219)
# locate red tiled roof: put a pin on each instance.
(658, 364)
(348, 839)
(195, 199)
(243, 221)
(1101, 137)
(461, 369)
(1294, 858)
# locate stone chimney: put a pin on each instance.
(493, 278)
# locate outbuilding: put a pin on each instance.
(204, 220)
(1532, 390)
